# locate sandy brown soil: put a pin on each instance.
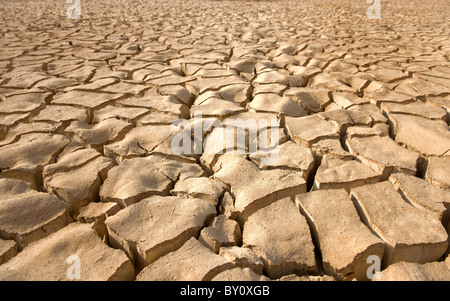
(92, 187)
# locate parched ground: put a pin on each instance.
(92, 188)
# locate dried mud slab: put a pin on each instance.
(176, 170)
(408, 271)
(335, 173)
(138, 142)
(154, 101)
(429, 137)
(279, 234)
(378, 94)
(100, 124)
(56, 113)
(128, 114)
(313, 100)
(383, 155)
(273, 103)
(254, 188)
(437, 171)
(76, 177)
(99, 134)
(8, 249)
(388, 75)
(126, 186)
(331, 148)
(239, 274)
(216, 107)
(222, 232)
(203, 85)
(410, 234)
(423, 195)
(29, 215)
(243, 257)
(25, 158)
(204, 188)
(289, 155)
(310, 129)
(416, 108)
(85, 99)
(29, 102)
(345, 242)
(97, 212)
(98, 262)
(192, 261)
(156, 226)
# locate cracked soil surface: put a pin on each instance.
(360, 108)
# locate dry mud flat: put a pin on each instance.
(92, 189)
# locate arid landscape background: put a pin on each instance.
(354, 107)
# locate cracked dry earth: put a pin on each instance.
(87, 169)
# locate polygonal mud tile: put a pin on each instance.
(437, 171)
(191, 262)
(290, 155)
(243, 257)
(254, 188)
(29, 215)
(272, 103)
(410, 234)
(416, 108)
(204, 188)
(26, 157)
(335, 173)
(84, 99)
(310, 129)
(222, 232)
(139, 141)
(345, 242)
(96, 135)
(280, 235)
(157, 226)
(410, 271)
(77, 177)
(55, 113)
(423, 195)
(22, 103)
(239, 274)
(52, 258)
(126, 186)
(383, 155)
(429, 137)
(8, 249)
(313, 100)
